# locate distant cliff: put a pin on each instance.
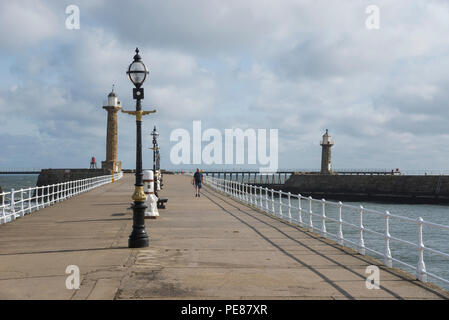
(396, 188)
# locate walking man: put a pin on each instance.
(197, 181)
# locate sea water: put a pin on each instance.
(17, 181)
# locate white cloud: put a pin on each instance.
(299, 66)
(26, 23)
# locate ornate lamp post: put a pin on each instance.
(137, 73)
(155, 148)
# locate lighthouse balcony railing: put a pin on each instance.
(366, 230)
(18, 203)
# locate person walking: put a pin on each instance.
(197, 181)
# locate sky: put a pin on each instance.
(300, 67)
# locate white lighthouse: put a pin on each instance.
(326, 155)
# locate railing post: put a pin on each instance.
(12, 203)
(299, 209)
(239, 194)
(236, 186)
(310, 214)
(266, 199)
(42, 197)
(387, 252)
(36, 198)
(251, 194)
(280, 203)
(421, 268)
(261, 198)
(272, 201)
(29, 199)
(323, 218)
(22, 211)
(256, 203)
(289, 207)
(361, 228)
(340, 224)
(235, 189)
(52, 195)
(3, 207)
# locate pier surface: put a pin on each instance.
(207, 247)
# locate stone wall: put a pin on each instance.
(53, 176)
(404, 188)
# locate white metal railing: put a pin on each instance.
(306, 209)
(17, 203)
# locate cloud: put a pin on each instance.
(298, 66)
(26, 23)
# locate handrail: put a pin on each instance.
(268, 199)
(17, 203)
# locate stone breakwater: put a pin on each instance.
(53, 176)
(395, 188)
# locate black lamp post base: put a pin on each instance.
(138, 237)
(138, 242)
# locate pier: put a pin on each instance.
(208, 247)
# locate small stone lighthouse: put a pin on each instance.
(326, 155)
(111, 164)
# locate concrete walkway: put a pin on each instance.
(208, 247)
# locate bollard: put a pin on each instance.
(151, 201)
